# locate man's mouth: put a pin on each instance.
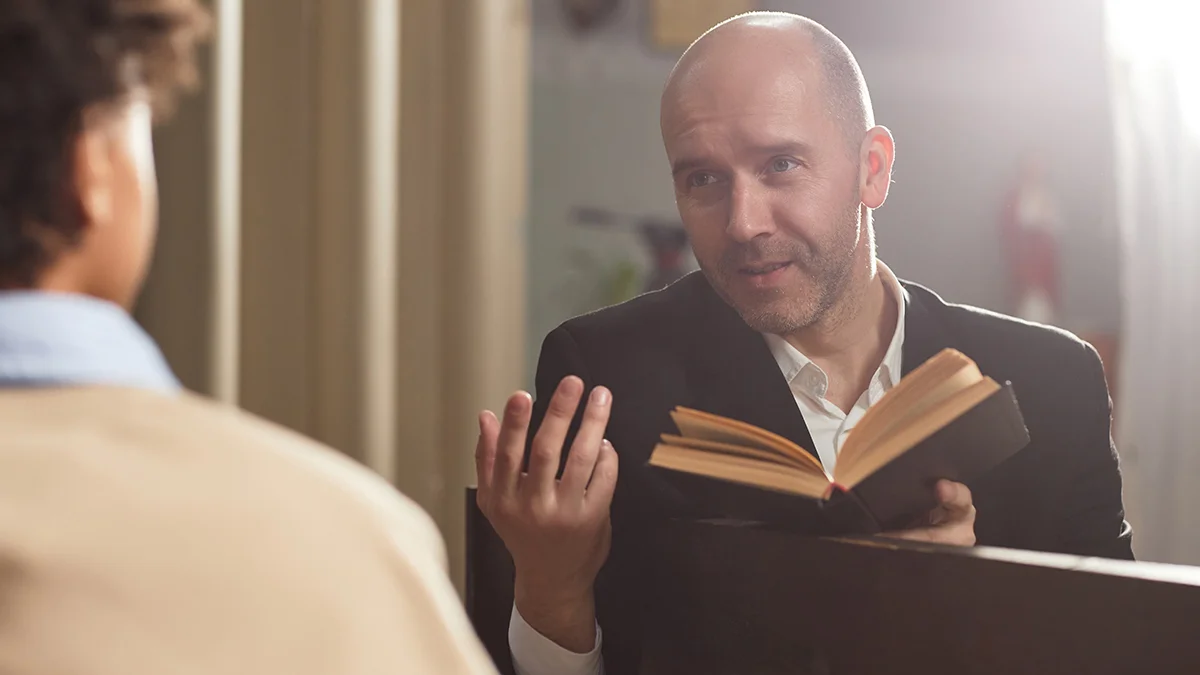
(764, 268)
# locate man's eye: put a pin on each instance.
(700, 179)
(783, 164)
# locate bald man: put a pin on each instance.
(793, 325)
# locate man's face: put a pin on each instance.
(768, 190)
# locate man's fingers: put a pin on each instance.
(923, 534)
(952, 522)
(957, 534)
(586, 449)
(938, 516)
(599, 493)
(485, 453)
(510, 444)
(548, 443)
(955, 499)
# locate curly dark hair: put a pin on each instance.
(59, 59)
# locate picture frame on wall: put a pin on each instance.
(585, 16)
(675, 24)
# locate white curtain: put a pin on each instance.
(1156, 84)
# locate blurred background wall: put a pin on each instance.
(372, 272)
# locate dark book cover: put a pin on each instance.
(893, 497)
(970, 446)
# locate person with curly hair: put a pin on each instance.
(142, 528)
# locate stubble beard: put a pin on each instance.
(828, 271)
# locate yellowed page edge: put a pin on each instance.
(920, 429)
(740, 470)
(773, 456)
(921, 390)
(706, 426)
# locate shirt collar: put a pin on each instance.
(800, 371)
(59, 339)
(890, 368)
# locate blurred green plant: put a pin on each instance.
(622, 281)
(594, 283)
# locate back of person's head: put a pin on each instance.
(80, 81)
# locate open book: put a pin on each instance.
(945, 419)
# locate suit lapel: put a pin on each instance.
(924, 332)
(733, 373)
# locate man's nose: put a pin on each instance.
(749, 212)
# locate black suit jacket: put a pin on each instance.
(685, 346)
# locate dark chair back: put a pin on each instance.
(489, 585)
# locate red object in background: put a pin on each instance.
(1030, 232)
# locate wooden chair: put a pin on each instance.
(489, 585)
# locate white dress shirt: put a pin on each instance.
(826, 422)
(534, 654)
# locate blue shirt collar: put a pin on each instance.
(60, 339)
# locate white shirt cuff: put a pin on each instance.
(535, 654)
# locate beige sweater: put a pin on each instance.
(159, 535)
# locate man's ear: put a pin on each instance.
(94, 171)
(876, 156)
